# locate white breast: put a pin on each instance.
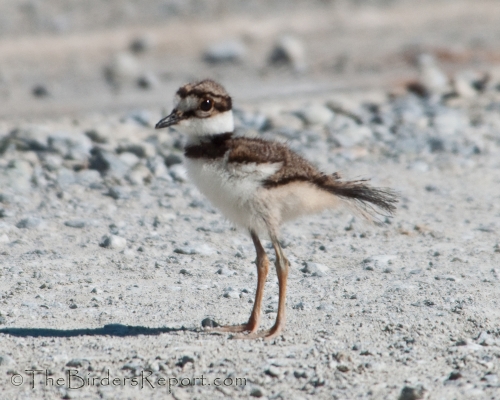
(234, 188)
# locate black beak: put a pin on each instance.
(169, 120)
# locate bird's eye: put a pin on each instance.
(206, 105)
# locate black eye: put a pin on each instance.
(206, 105)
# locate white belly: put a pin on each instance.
(235, 189)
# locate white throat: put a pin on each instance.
(196, 128)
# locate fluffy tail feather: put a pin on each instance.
(363, 196)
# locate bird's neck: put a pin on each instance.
(201, 129)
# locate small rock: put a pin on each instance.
(147, 81)
(4, 238)
(118, 192)
(226, 51)
(343, 368)
(128, 158)
(30, 223)
(40, 91)
(78, 363)
(315, 269)
(141, 150)
(173, 159)
(141, 44)
(108, 163)
(225, 271)
(178, 172)
(315, 114)
(17, 176)
(454, 375)
(75, 223)
(96, 136)
(491, 378)
(113, 242)
(289, 50)
(209, 323)
(184, 360)
(139, 175)
(273, 372)
(122, 69)
(158, 168)
(412, 393)
(230, 293)
(380, 261)
(89, 178)
(70, 145)
(431, 76)
(256, 392)
(6, 360)
(73, 306)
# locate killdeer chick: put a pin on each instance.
(257, 184)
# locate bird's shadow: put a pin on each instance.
(118, 330)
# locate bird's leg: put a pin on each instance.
(262, 269)
(282, 265)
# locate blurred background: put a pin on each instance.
(68, 57)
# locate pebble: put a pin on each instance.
(225, 271)
(158, 168)
(148, 81)
(184, 360)
(78, 363)
(108, 163)
(141, 149)
(139, 175)
(6, 360)
(30, 223)
(76, 223)
(227, 51)
(379, 261)
(40, 91)
(89, 178)
(128, 158)
(209, 323)
(289, 50)
(31, 137)
(141, 44)
(315, 114)
(231, 293)
(17, 176)
(431, 76)
(122, 69)
(119, 192)
(315, 269)
(412, 393)
(70, 145)
(178, 172)
(113, 242)
(257, 392)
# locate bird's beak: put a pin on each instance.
(169, 120)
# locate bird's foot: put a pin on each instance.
(267, 334)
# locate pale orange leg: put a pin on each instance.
(282, 265)
(262, 270)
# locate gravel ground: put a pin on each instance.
(111, 260)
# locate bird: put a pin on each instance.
(258, 185)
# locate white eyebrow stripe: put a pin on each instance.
(188, 103)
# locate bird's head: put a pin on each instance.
(200, 109)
